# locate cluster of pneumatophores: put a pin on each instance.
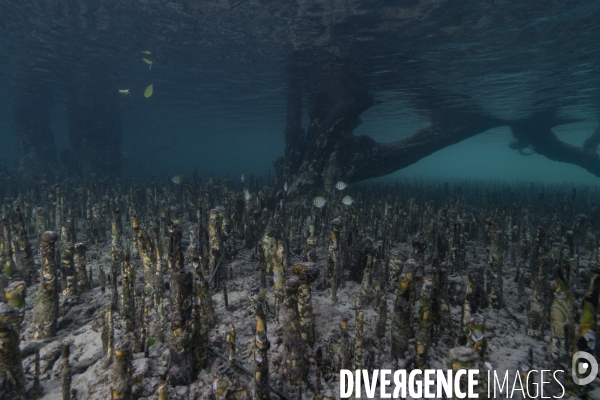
(215, 289)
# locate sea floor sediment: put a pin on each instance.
(439, 276)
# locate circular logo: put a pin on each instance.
(584, 368)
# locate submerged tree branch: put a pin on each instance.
(365, 158)
(333, 116)
(546, 143)
(591, 144)
(328, 150)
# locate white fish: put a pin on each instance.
(177, 179)
(247, 195)
(285, 187)
(347, 200)
(319, 201)
(341, 185)
(243, 178)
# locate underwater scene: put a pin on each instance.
(299, 199)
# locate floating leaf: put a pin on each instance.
(149, 90)
(148, 62)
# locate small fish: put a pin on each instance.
(124, 91)
(319, 202)
(146, 52)
(285, 187)
(149, 90)
(347, 200)
(247, 195)
(177, 179)
(243, 178)
(341, 185)
(147, 62)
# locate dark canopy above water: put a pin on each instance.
(498, 60)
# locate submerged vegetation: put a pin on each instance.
(207, 284)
